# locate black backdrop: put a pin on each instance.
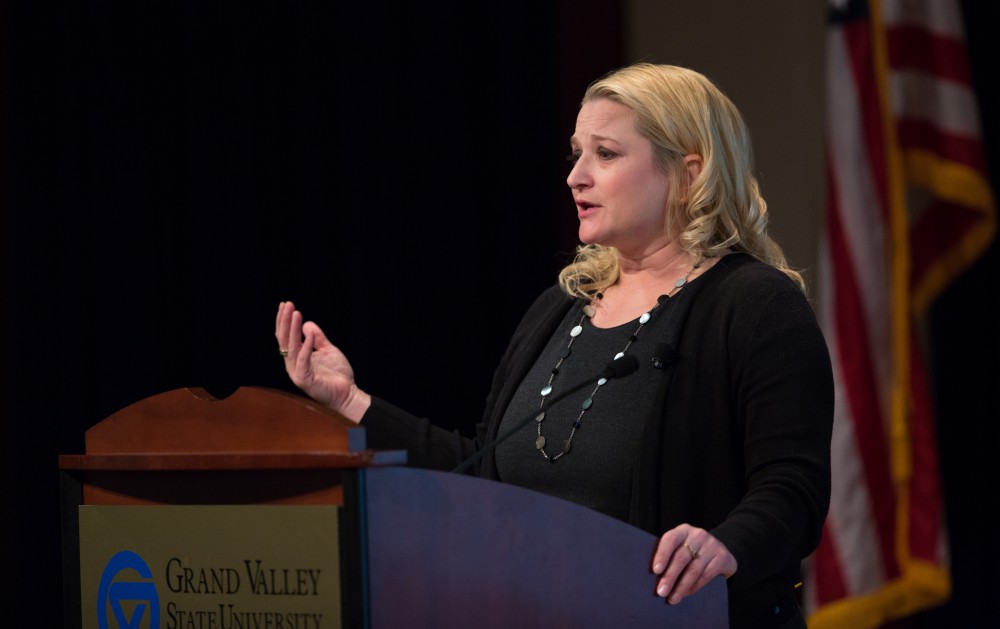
(172, 170)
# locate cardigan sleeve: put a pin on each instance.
(389, 427)
(782, 384)
(429, 446)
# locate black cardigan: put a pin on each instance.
(741, 447)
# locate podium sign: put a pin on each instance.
(209, 566)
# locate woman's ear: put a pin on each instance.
(693, 164)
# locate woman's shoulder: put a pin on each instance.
(758, 306)
(540, 319)
(551, 300)
(740, 275)
(740, 264)
(751, 291)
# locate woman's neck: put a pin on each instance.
(641, 281)
(656, 270)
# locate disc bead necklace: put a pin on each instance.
(589, 311)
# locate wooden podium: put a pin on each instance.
(415, 548)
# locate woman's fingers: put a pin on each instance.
(288, 333)
(686, 559)
(300, 351)
(283, 325)
(294, 339)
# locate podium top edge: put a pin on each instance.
(221, 461)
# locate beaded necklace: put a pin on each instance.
(588, 312)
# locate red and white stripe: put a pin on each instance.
(908, 208)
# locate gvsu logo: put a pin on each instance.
(128, 599)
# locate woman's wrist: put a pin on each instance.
(358, 403)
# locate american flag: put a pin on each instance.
(909, 208)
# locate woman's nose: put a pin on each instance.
(577, 178)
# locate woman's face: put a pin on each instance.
(620, 191)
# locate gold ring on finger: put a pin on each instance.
(693, 551)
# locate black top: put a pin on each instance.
(738, 437)
(597, 472)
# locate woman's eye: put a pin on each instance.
(601, 153)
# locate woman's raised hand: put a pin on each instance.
(317, 366)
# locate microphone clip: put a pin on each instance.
(663, 355)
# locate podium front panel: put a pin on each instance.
(446, 550)
(209, 566)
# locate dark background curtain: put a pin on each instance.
(172, 170)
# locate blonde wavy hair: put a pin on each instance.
(681, 112)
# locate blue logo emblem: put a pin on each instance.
(141, 595)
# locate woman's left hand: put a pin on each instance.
(686, 559)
